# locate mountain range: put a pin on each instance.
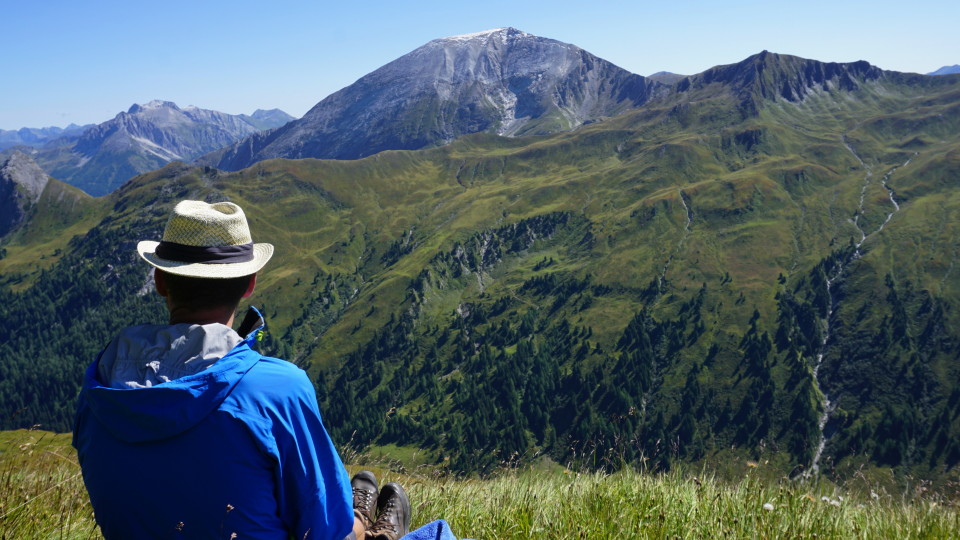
(757, 262)
(38, 137)
(100, 158)
(502, 81)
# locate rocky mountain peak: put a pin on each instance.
(152, 105)
(21, 170)
(21, 184)
(501, 81)
(497, 33)
(494, 57)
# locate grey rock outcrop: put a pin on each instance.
(22, 182)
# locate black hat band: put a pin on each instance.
(205, 254)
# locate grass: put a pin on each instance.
(43, 496)
(41, 490)
(632, 505)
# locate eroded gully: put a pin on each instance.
(832, 279)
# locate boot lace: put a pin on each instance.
(363, 501)
(384, 524)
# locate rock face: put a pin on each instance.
(147, 137)
(21, 183)
(502, 81)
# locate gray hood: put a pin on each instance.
(151, 354)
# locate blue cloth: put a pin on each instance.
(236, 448)
(435, 530)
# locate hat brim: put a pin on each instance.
(261, 254)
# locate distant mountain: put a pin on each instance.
(38, 137)
(264, 120)
(145, 138)
(946, 70)
(665, 77)
(501, 81)
(769, 76)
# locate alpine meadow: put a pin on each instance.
(754, 264)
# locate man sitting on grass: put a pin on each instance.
(184, 431)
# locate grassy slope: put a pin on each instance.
(61, 213)
(43, 497)
(754, 217)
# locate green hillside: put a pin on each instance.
(708, 278)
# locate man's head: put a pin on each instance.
(198, 294)
(207, 258)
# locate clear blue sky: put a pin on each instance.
(84, 61)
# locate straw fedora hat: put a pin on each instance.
(206, 241)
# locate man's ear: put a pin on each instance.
(250, 287)
(160, 281)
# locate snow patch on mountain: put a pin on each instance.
(501, 32)
(157, 150)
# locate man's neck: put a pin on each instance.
(208, 316)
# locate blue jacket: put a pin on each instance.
(237, 447)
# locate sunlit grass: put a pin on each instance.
(42, 496)
(536, 504)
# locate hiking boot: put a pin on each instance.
(393, 514)
(364, 485)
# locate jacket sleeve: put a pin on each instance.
(315, 499)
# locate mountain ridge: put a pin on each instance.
(770, 76)
(454, 61)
